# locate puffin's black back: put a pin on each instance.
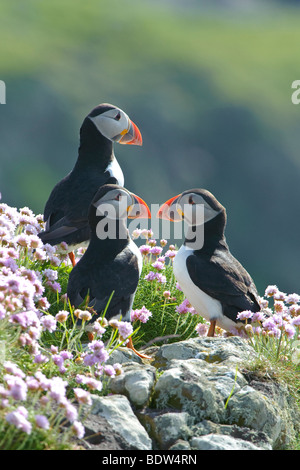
(66, 210)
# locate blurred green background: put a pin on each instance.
(207, 82)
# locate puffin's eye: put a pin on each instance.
(117, 117)
(117, 198)
(191, 200)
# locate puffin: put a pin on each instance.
(212, 279)
(66, 210)
(112, 263)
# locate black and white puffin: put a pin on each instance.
(212, 279)
(112, 261)
(66, 210)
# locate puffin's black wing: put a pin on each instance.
(222, 277)
(66, 210)
(71, 231)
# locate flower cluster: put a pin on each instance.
(141, 315)
(281, 319)
(19, 389)
(186, 307)
(29, 270)
(151, 250)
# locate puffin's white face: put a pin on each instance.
(115, 125)
(195, 209)
(114, 204)
(120, 204)
(190, 206)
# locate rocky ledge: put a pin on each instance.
(194, 395)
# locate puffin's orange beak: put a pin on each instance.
(139, 209)
(168, 210)
(132, 135)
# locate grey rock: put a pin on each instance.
(180, 445)
(136, 383)
(196, 394)
(258, 438)
(99, 435)
(117, 411)
(197, 387)
(219, 442)
(212, 350)
(123, 355)
(165, 428)
(265, 411)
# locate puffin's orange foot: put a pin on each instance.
(130, 346)
(72, 258)
(211, 331)
(91, 336)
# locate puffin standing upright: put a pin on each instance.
(212, 279)
(112, 262)
(66, 210)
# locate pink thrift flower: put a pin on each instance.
(145, 250)
(17, 387)
(78, 429)
(201, 329)
(245, 315)
(58, 389)
(70, 411)
(55, 286)
(158, 265)
(156, 250)
(48, 323)
(293, 298)
(142, 314)
(271, 290)
(18, 419)
(151, 276)
(42, 422)
(82, 396)
(296, 321)
(289, 330)
(171, 254)
(61, 316)
(50, 274)
(40, 359)
(109, 371)
(257, 316)
(118, 368)
(136, 233)
(13, 369)
(185, 307)
(125, 329)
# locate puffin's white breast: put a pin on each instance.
(115, 171)
(208, 307)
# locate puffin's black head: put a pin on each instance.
(185, 206)
(115, 202)
(112, 123)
